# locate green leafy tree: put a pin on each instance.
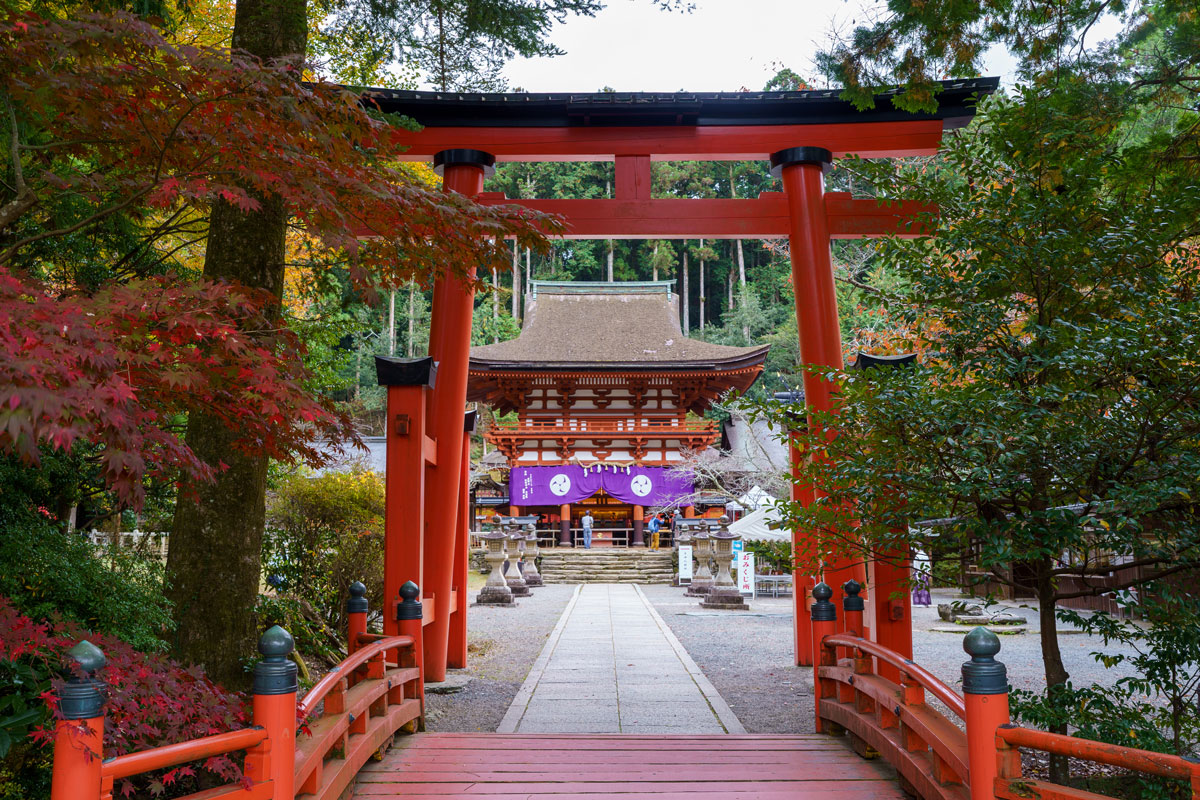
(1057, 413)
(1058, 408)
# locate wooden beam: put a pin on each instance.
(678, 218)
(703, 143)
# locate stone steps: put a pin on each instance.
(607, 566)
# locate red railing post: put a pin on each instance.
(853, 607)
(79, 735)
(409, 619)
(985, 695)
(356, 616)
(274, 711)
(824, 623)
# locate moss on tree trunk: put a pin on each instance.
(213, 567)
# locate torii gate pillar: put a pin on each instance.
(802, 171)
(449, 345)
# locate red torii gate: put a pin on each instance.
(799, 132)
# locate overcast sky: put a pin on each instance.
(724, 45)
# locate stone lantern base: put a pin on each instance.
(699, 588)
(534, 579)
(725, 598)
(519, 588)
(495, 596)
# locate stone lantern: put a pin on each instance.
(530, 572)
(516, 544)
(724, 593)
(702, 578)
(495, 591)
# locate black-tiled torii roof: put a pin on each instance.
(956, 106)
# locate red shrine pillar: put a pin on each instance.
(408, 459)
(803, 542)
(449, 345)
(564, 526)
(456, 655)
(802, 170)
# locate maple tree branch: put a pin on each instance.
(859, 285)
(23, 199)
(7, 254)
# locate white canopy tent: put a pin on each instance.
(762, 525)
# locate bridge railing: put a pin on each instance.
(349, 715)
(937, 757)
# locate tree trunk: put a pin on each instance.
(654, 262)
(528, 272)
(214, 563)
(700, 286)
(683, 296)
(412, 312)
(608, 193)
(392, 323)
(516, 282)
(495, 306)
(357, 368)
(1052, 661)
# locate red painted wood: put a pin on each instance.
(893, 609)
(624, 767)
(709, 143)
(404, 514)
(816, 314)
(456, 649)
(632, 178)
(449, 345)
(679, 218)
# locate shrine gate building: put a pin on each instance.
(607, 393)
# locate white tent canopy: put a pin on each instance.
(755, 498)
(762, 525)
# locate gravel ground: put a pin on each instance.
(942, 653)
(748, 657)
(503, 643)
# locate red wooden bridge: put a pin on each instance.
(877, 738)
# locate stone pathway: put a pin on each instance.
(612, 665)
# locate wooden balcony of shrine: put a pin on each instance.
(566, 435)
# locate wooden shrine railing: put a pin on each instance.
(581, 427)
(348, 716)
(936, 757)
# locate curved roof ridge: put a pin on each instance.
(612, 328)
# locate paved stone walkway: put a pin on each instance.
(612, 665)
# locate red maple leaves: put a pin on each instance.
(115, 122)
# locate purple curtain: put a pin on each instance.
(646, 486)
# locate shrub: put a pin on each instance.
(775, 557)
(324, 533)
(1153, 709)
(46, 572)
(152, 701)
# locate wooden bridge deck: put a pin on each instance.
(439, 766)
